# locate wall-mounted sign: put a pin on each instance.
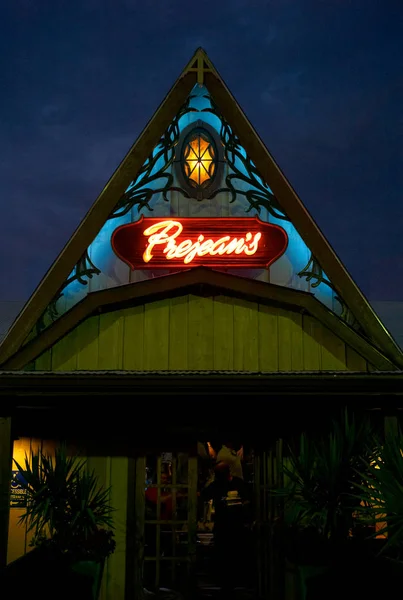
(18, 498)
(189, 242)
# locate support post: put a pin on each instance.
(5, 481)
(139, 515)
(391, 425)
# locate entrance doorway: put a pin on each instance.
(174, 525)
(166, 521)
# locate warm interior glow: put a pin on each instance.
(18, 537)
(199, 160)
(379, 525)
(166, 232)
(211, 451)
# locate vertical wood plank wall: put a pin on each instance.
(201, 333)
(112, 471)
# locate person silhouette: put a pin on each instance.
(227, 493)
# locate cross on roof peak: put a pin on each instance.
(200, 65)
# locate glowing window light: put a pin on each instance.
(199, 159)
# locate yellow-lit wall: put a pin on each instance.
(18, 537)
(112, 472)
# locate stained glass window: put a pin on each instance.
(199, 159)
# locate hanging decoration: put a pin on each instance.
(243, 178)
(314, 275)
(155, 176)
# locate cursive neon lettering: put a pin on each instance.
(219, 246)
(252, 247)
(179, 251)
(166, 233)
(158, 234)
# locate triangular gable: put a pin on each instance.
(281, 201)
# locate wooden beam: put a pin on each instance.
(139, 510)
(6, 446)
(391, 425)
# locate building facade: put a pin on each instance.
(197, 300)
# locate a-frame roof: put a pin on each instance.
(200, 70)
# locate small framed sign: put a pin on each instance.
(18, 495)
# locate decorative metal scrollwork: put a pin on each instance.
(84, 268)
(313, 274)
(82, 272)
(155, 168)
(257, 192)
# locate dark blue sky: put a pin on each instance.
(320, 80)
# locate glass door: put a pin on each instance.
(166, 520)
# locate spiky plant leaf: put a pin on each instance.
(65, 502)
(320, 478)
(381, 500)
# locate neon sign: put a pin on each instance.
(186, 242)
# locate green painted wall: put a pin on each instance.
(112, 472)
(199, 333)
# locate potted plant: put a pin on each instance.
(318, 503)
(69, 514)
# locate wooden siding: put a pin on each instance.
(201, 333)
(113, 471)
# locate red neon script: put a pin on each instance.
(186, 242)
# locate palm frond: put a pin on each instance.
(381, 499)
(64, 500)
(319, 479)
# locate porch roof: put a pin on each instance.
(120, 411)
(48, 384)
